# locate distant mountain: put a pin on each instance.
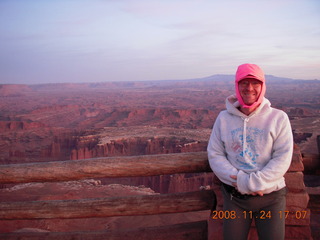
(230, 78)
(217, 79)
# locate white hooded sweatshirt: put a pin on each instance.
(256, 148)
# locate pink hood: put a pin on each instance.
(248, 70)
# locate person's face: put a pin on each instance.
(250, 90)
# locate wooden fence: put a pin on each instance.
(133, 166)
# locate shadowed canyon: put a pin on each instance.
(56, 122)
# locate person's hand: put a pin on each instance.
(234, 177)
(257, 193)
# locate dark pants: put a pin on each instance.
(264, 210)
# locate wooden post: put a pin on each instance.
(133, 166)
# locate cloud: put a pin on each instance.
(154, 39)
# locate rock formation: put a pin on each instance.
(54, 122)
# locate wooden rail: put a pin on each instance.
(147, 165)
(108, 207)
(133, 166)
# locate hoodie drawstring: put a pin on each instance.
(244, 147)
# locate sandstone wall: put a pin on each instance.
(135, 146)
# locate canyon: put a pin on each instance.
(70, 121)
(57, 122)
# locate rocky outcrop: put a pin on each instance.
(27, 141)
(135, 146)
(33, 142)
(86, 117)
(300, 137)
(19, 125)
(168, 183)
(53, 122)
(13, 90)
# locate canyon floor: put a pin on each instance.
(55, 122)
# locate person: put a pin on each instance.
(249, 150)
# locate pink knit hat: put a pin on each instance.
(248, 70)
